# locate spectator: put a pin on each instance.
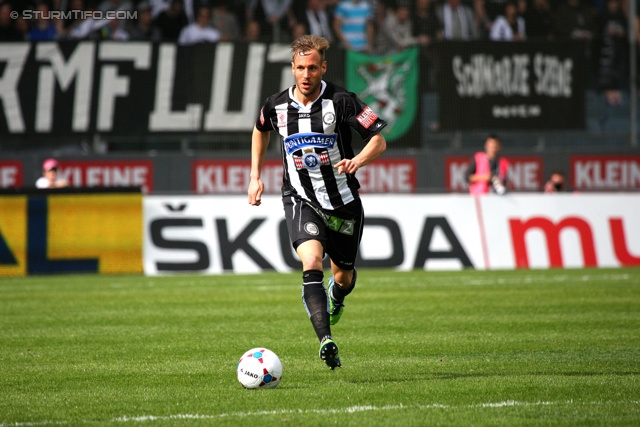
(483, 21)
(426, 29)
(425, 24)
(574, 21)
(73, 19)
(252, 31)
(612, 52)
(8, 30)
(255, 12)
(43, 28)
(158, 6)
(88, 28)
(240, 8)
(225, 22)
(508, 27)
(317, 19)
(298, 30)
(49, 178)
(278, 18)
(539, 21)
(143, 29)
(495, 8)
(113, 31)
(22, 26)
(353, 25)
(398, 27)
(556, 183)
(487, 170)
(200, 31)
(107, 5)
(331, 6)
(521, 6)
(172, 21)
(382, 43)
(458, 22)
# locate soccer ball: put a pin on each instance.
(259, 368)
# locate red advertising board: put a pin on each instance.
(389, 175)
(603, 172)
(396, 175)
(232, 176)
(113, 173)
(11, 174)
(525, 173)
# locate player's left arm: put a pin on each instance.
(371, 151)
(259, 144)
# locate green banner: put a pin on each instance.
(389, 85)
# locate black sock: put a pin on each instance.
(339, 293)
(314, 297)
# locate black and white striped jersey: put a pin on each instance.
(316, 137)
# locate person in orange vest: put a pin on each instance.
(487, 170)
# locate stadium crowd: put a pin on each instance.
(373, 26)
(394, 24)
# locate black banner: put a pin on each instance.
(140, 88)
(511, 85)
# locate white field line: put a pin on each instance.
(456, 280)
(348, 410)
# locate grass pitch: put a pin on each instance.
(524, 347)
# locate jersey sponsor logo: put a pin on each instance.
(367, 117)
(344, 226)
(302, 140)
(304, 115)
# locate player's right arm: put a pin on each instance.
(259, 145)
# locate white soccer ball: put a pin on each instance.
(259, 368)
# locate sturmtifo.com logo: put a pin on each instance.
(76, 14)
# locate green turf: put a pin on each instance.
(527, 347)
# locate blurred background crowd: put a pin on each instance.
(374, 26)
(385, 24)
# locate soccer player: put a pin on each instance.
(322, 206)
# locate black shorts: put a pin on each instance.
(339, 231)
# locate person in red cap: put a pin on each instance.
(49, 178)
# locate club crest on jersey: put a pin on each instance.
(329, 118)
(311, 160)
(311, 228)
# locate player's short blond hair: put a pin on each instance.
(306, 43)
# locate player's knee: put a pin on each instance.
(343, 278)
(311, 262)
